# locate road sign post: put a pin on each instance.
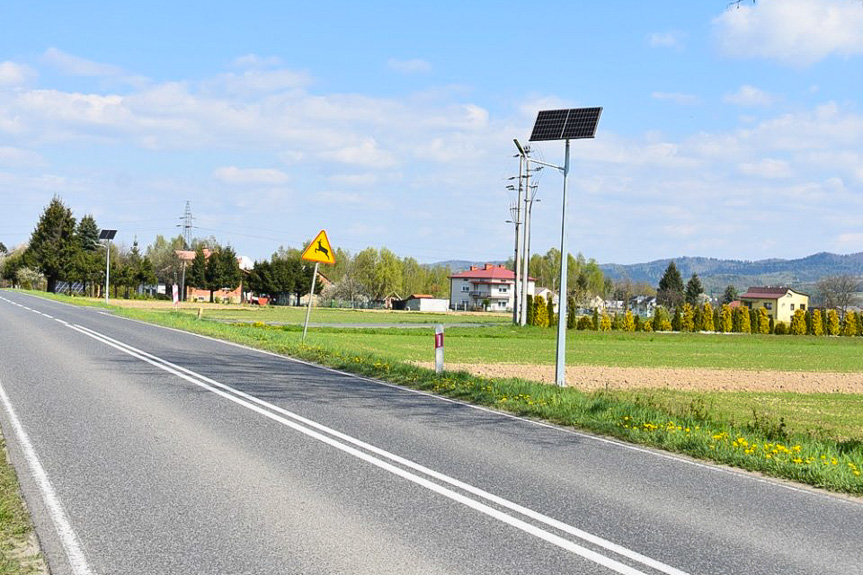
(318, 251)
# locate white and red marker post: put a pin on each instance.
(438, 348)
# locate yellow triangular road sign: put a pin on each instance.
(320, 250)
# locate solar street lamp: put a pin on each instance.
(571, 124)
(107, 235)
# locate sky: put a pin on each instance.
(726, 132)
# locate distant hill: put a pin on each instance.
(716, 274)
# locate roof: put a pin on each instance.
(421, 296)
(488, 272)
(768, 292)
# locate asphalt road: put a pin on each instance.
(146, 450)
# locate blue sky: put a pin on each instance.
(728, 133)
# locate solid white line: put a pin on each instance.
(68, 537)
(536, 516)
(267, 409)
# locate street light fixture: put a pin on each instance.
(107, 235)
(570, 124)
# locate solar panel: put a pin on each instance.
(107, 234)
(571, 124)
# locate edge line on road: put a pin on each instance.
(68, 538)
(331, 437)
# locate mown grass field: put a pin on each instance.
(811, 438)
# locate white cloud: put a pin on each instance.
(260, 81)
(15, 157)
(255, 61)
(749, 96)
(75, 66)
(796, 32)
(414, 66)
(12, 74)
(665, 40)
(250, 176)
(365, 153)
(676, 97)
(767, 168)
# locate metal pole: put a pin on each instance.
(560, 371)
(528, 209)
(107, 269)
(309, 309)
(518, 279)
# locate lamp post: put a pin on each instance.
(107, 235)
(571, 124)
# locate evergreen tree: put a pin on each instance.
(817, 327)
(549, 310)
(595, 319)
(730, 294)
(850, 327)
(196, 274)
(698, 318)
(725, 322)
(677, 319)
(694, 289)
(671, 290)
(605, 322)
(740, 320)
(707, 317)
(571, 320)
(832, 322)
(798, 323)
(53, 244)
(687, 321)
(628, 321)
(530, 320)
(540, 312)
(763, 321)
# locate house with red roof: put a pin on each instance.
(780, 302)
(492, 284)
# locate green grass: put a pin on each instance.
(323, 315)
(15, 526)
(507, 344)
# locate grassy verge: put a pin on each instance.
(16, 554)
(758, 441)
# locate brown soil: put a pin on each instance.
(591, 378)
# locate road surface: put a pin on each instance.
(146, 450)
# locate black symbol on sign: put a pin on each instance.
(323, 250)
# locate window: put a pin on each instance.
(803, 306)
(502, 289)
(768, 305)
(465, 288)
(792, 307)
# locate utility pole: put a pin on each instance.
(519, 280)
(187, 244)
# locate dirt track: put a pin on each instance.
(591, 378)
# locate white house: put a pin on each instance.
(425, 302)
(547, 294)
(493, 285)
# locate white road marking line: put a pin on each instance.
(68, 537)
(267, 410)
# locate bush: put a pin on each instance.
(779, 328)
(585, 322)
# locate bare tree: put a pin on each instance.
(839, 292)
